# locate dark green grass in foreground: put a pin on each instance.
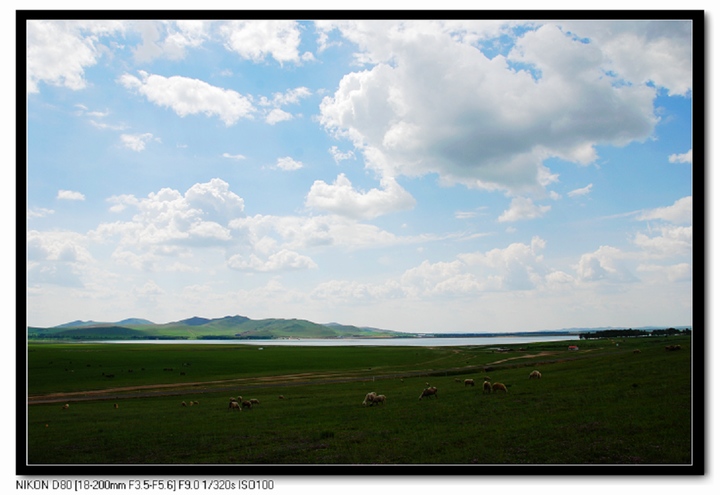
(603, 406)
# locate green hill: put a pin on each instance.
(229, 327)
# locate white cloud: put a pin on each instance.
(583, 191)
(658, 52)
(354, 292)
(57, 246)
(681, 272)
(277, 115)
(522, 209)
(105, 126)
(518, 267)
(255, 40)
(39, 212)
(287, 163)
(606, 264)
(168, 39)
(233, 157)
(187, 96)
(295, 233)
(439, 278)
(168, 223)
(679, 212)
(681, 157)
(136, 142)
(341, 198)
(149, 289)
(58, 52)
(339, 156)
(119, 203)
(70, 195)
(281, 260)
(444, 107)
(291, 96)
(671, 241)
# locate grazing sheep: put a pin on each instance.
(487, 387)
(636, 351)
(116, 406)
(535, 374)
(428, 392)
(672, 347)
(234, 405)
(183, 404)
(254, 401)
(369, 398)
(66, 406)
(281, 397)
(457, 380)
(246, 404)
(379, 399)
(470, 382)
(196, 403)
(499, 386)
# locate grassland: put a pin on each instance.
(603, 404)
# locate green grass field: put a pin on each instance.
(604, 404)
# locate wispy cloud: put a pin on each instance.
(70, 195)
(136, 142)
(233, 157)
(523, 209)
(583, 191)
(287, 163)
(681, 158)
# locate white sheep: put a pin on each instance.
(234, 405)
(66, 406)
(369, 398)
(428, 392)
(535, 374)
(499, 386)
(254, 401)
(246, 403)
(487, 387)
(379, 399)
(470, 382)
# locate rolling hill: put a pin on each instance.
(228, 327)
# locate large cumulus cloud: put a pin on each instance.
(433, 102)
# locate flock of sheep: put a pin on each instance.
(238, 404)
(372, 398)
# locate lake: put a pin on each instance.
(417, 342)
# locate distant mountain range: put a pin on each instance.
(228, 327)
(242, 327)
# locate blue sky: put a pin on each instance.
(427, 176)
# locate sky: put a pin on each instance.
(422, 176)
